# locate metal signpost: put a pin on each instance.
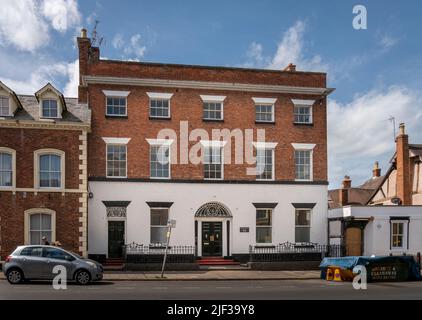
(170, 224)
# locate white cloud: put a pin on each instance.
(26, 24)
(62, 14)
(289, 50)
(255, 53)
(133, 50)
(118, 41)
(22, 25)
(55, 73)
(387, 42)
(360, 133)
(71, 87)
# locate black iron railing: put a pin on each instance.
(154, 253)
(289, 251)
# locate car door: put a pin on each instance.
(31, 262)
(55, 257)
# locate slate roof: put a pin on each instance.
(76, 112)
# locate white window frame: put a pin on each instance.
(9, 103)
(12, 152)
(404, 235)
(214, 144)
(303, 103)
(42, 109)
(27, 221)
(266, 146)
(213, 99)
(310, 221)
(115, 141)
(119, 95)
(157, 226)
(305, 147)
(270, 226)
(40, 152)
(159, 96)
(156, 143)
(265, 102)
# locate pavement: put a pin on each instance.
(210, 275)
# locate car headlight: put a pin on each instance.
(92, 264)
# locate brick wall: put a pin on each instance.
(186, 105)
(12, 208)
(66, 205)
(26, 141)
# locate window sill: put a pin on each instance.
(115, 117)
(159, 118)
(213, 120)
(311, 124)
(264, 122)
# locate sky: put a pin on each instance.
(377, 71)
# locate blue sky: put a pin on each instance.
(377, 72)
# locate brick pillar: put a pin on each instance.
(403, 167)
(344, 191)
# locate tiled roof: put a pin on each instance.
(357, 195)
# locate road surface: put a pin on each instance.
(215, 290)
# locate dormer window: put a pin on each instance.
(4, 106)
(49, 109)
(52, 104)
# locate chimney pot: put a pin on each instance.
(347, 182)
(83, 33)
(402, 128)
(291, 67)
(376, 172)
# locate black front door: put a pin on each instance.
(212, 239)
(116, 238)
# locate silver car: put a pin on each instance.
(36, 262)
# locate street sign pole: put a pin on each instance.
(170, 224)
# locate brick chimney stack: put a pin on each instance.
(84, 45)
(344, 191)
(291, 67)
(376, 172)
(403, 167)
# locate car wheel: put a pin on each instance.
(82, 277)
(14, 276)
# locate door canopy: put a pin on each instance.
(213, 209)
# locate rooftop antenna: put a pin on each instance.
(95, 40)
(393, 121)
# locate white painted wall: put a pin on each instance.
(377, 232)
(188, 197)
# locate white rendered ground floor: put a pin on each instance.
(217, 219)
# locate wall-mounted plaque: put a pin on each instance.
(244, 229)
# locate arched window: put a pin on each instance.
(39, 223)
(7, 167)
(49, 166)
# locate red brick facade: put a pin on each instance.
(186, 105)
(13, 204)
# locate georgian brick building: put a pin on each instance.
(220, 208)
(43, 169)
